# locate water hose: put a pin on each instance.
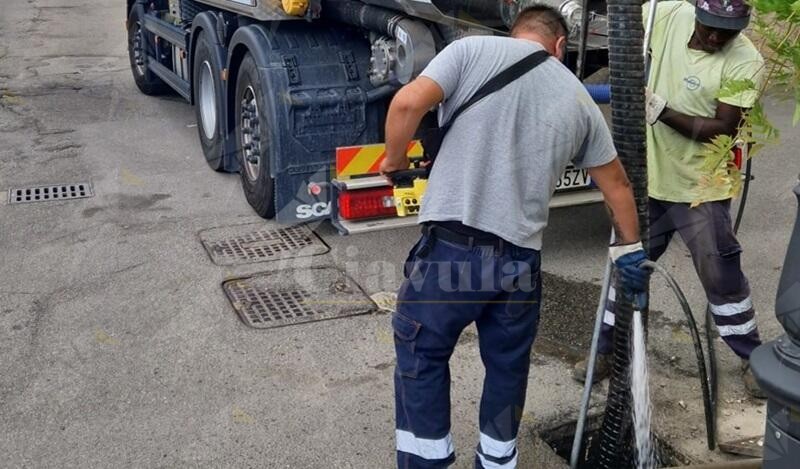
(600, 93)
(626, 69)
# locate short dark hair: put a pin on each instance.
(543, 19)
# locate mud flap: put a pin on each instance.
(317, 76)
(294, 202)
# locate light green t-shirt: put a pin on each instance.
(689, 80)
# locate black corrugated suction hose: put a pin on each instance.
(613, 450)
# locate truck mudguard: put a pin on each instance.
(317, 83)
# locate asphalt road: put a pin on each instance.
(120, 349)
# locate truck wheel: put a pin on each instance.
(207, 97)
(147, 82)
(253, 140)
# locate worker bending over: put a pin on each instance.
(484, 211)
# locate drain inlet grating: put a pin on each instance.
(23, 195)
(246, 244)
(288, 297)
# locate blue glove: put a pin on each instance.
(633, 277)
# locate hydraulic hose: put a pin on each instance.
(709, 321)
(748, 172)
(626, 69)
(698, 350)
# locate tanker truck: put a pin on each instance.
(293, 94)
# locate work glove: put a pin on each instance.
(654, 106)
(631, 273)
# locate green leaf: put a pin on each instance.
(730, 88)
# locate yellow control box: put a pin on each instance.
(407, 200)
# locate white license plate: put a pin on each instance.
(573, 178)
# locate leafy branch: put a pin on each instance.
(776, 25)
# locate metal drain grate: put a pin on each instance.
(246, 244)
(45, 193)
(287, 297)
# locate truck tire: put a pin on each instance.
(147, 82)
(208, 91)
(253, 139)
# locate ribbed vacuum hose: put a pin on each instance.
(625, 36)
(362, 15)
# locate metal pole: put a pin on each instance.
(584, 39)
(577, 442)
(648, 31)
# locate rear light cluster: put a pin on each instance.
(367, 203)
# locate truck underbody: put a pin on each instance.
(278, 87)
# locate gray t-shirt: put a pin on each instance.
(499, 163)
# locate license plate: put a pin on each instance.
(573, 178)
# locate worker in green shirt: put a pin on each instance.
(696, 48)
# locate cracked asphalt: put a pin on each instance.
(120, 349)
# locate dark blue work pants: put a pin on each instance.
(447, 287)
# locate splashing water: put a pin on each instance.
(640, 391)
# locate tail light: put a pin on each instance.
(737, 156)
(367, 203)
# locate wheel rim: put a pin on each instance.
(250, 134)
(207, 101)
(138, 48)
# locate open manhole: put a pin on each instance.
(245, 244)
(24, 195)
(288, 297)
(560, 438)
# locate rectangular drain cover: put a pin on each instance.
(245, 244)
(287, 297)
(46, 193)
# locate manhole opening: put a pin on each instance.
(46, 193)
(560, 438)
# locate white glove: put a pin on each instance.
(654, 105)
(615, 251)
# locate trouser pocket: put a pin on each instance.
(405, 336)
(418, 251)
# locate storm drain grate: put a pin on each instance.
(245, 244)
(288, 297)
(46, 193)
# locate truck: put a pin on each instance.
(293, 94)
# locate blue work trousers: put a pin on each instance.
(447, 287)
